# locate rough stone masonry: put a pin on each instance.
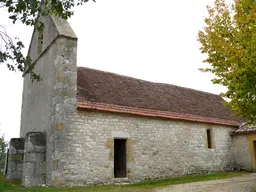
(81, 126)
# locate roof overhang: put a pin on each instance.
(153, 113)
(244, 130)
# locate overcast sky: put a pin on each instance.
(146, 39)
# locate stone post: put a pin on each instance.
(34, 168)
(15, 159)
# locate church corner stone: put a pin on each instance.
(64, 106)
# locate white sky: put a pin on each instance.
(146, 39)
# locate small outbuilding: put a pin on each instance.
(244, 140)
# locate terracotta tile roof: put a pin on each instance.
(152, 113)
(244, 130)
(116, 93)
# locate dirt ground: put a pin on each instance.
(245, 183)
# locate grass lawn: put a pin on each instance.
(146, 186)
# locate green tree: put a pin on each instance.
(229, 41)
(3, 146)
(27, 11)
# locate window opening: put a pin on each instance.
(209, 138)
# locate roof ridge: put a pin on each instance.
(159, 83)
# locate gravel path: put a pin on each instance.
(245, 183)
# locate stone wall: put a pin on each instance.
(34, 167)
(156, 148)
(242, 153)
(37, 109)
(37, 97)
(15, 159)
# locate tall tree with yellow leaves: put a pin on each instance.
(229, 41)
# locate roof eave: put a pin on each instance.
(244, 131)
(153, 113)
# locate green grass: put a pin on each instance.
(146, 186)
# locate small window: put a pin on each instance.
(209, 138)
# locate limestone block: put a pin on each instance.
(29, 168)
(34, 159)
(15, 159)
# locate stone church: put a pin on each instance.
(81, 126)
